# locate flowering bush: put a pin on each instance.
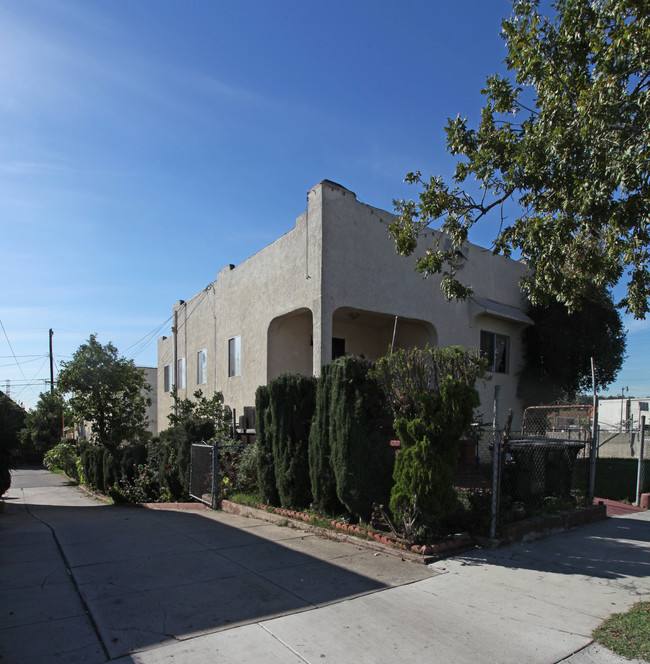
(64, 458)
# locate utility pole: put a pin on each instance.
(51, 363)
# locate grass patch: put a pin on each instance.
(248, 499)
(627, 634)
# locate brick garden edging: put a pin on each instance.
(374, 541)
(532, 528)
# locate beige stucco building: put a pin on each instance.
(332, 285)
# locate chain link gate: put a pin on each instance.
(203, 473)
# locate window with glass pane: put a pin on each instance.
(495, 348)
(180, 374)
(234, 356)
(201, 367)
(167, 378)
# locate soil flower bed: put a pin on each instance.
(373, 539)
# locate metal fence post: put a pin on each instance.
(593, 452)
(639, 472)
(496, 464)
(215, 474)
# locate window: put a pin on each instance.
(167, 377)
(180, 374)
(201, 367)
(234, 356)
(495, 348)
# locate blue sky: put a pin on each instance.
(146, 145)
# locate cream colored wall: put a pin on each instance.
(362, 271)
(338, 255)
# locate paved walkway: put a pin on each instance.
(81, 581)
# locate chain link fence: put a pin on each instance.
(203, 462)
(220, 468)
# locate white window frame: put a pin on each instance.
(202, 367)
(234, 357)
(180, 374)
(496, 348)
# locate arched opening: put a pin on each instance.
(290, 344)
(370, 333)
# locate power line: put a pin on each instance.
(12, 350)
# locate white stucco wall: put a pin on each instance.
(335, 274)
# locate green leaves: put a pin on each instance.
(106, 392)
(567, 139)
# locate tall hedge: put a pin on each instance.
(321, 472)
(291, 407)
(360, 433)
(265, 461)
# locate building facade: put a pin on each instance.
(334, 285)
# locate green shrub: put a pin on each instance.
(176, 455)
(321, 472)
(63, 457)
(265, 460)
(360, 433)
(12, 418)
(291, 407)
(423, 492)
(92, 461)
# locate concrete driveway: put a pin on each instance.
(96, 581)
(86, 582)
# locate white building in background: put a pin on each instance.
(334, 285)
(623, 414)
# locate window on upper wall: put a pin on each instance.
(496, 349)
(201, 367)
(180, 374)
(234, 356)
(167, 378)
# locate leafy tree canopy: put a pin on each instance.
(107, 392)
(560, 345)
(566, 137)
(44, 424)
(201, 408)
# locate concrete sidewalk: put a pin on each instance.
(85, 582)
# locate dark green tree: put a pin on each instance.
(560, 345)
(265, 459)
(565, 137)
(291, 407)
(107, 392)
(44, 424)
(12, 418)
(360, 433)
(321, 472)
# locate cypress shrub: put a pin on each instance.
(110, 469)
(265, 460)
(291, 406)
(92, 461)
(360, 420)
(321, 472)
(423, 492)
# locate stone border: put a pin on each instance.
(369, 540)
